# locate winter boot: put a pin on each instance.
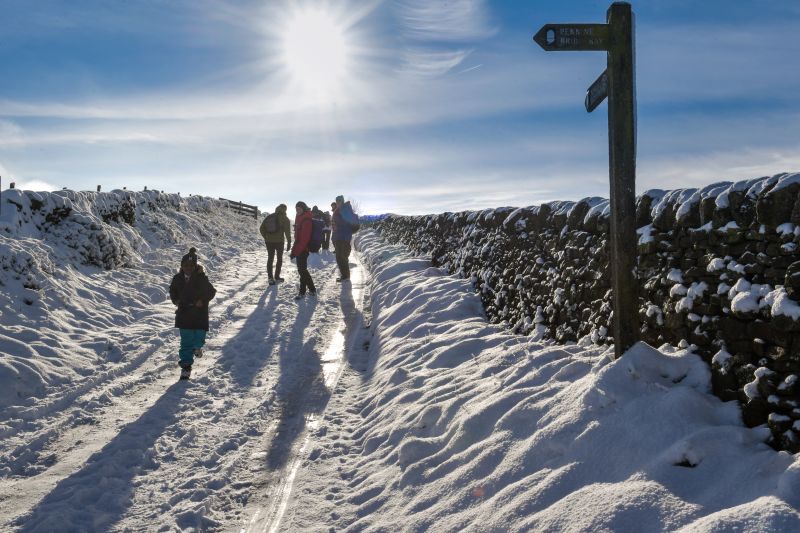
(300, 296)
(272, 281)
(186, 372)
(278, 279)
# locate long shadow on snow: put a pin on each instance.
(300, 367)
(355, 332)
(306, 394)
(244, 354)
(98, 495)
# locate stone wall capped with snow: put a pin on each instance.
(719, 267)
(41, 232)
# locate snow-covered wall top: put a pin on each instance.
(719, 267)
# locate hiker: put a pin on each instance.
(302, 237)
(333, 224)
(326, 230)
(317, 230)
(345, 222)
(273, 229)
(191, 291)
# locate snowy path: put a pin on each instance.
(136, 450)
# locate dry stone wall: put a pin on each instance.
(719, 268)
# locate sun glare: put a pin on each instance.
(315, 51)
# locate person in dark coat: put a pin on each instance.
(326, 230)
(302, 237)
(342, 234)
(333, 225)
(191, 291)
(274, 241)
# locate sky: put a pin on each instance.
(407, 106)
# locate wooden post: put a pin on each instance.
(617, 84)
(622, 171)
(98, 188)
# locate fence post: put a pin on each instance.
(98, 188)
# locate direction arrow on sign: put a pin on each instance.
(597, 92)
(557, 37)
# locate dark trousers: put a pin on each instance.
(273, 249)
(305, 276)
(343, 257)
(326, 239)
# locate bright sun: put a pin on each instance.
(315, 51)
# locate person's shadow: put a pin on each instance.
(300, 366)
(99, 494)
(245, 354)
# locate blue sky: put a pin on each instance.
(412, 106)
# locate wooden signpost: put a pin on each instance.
(615, 83)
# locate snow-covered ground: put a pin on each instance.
(96, 434)
(385, 404)
(447, 423)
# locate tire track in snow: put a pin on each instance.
(305, 409)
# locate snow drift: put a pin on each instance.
(457, 425)
(77, 267)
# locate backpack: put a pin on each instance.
(315, 241)
(350, 217)
(270, 225)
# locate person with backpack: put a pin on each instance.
(345, 223)
(303, 226)
(273, 228)
(191, 291)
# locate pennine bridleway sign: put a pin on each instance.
(617, 84)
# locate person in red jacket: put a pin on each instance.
(302, 236)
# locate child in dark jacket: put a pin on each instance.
(191, 291)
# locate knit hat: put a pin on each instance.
(281, 207)
(301, 205)
(191, 257)
(340, 198)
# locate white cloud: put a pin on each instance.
(430, 63)
(10, 133)
(451, 20)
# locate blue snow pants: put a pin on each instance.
(191, 339)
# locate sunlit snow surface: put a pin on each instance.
(452, 424)
(438, 421)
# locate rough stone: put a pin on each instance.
(775, 207)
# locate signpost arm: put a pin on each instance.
(622, 167)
